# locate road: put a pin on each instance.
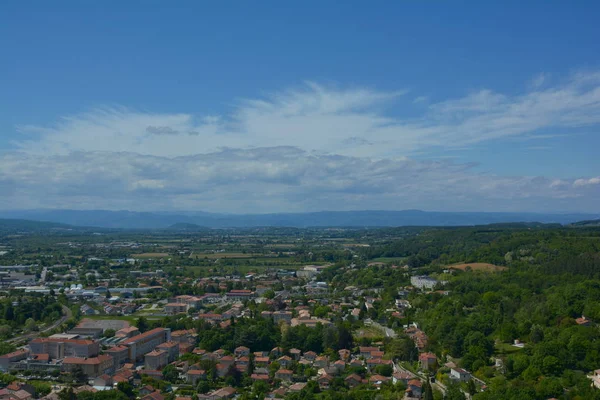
(66, 315)
(388, 331)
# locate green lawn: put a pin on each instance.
(506, 348)
(129, 318)
(397, 260)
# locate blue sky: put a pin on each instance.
(300, 106)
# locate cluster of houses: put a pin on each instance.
(367, 359)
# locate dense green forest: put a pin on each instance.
(551, 280)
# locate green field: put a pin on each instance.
(506, 349)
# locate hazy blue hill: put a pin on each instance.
(164, 220)
(22, 225)
(590, 223)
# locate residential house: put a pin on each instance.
(365, 351)
(277, 352)
(284, 374)
(402, 376)
(339, 366)
(460, 374)
(176, 308)
(153, 396)
(595, 377)
(242, 351)
(284, 361)
(260, 377)
(344, 354)
(146, 390)
(378, 380)
(321, 362)
(324, 381)
(414, 388)
(296, 354)
(353, 380)
(261, 361)
(583, 321)
(297, 387)
(195, 375)
(310, 356)
(427, 361)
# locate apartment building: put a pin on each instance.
(156, 359)
(60, 348)
(143, 344)
(91, 366)
(120, 355)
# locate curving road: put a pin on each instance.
(66, 315)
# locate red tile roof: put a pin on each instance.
(144, 335)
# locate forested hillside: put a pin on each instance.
(552, 280)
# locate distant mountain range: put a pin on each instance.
(14, 225)
(200, 220)
(595, 222)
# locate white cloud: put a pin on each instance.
(539, 80)
(587, 182)
(311, 148)
(270, 180)
(324, 119)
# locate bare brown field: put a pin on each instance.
(478, 267)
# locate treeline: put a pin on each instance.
(542, 245)
(15, 311)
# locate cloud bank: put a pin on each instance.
(304, 149)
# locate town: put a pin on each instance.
(296, 314)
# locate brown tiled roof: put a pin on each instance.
(87, 361)
(143, 335)
(56, 340)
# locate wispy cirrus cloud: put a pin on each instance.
(329, 120)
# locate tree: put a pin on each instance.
(170, 373)
(30, 325)
(471, 388)
(233, 376)
(126, 388)
(78, 375)
(385, 370)
(142, 324)
(203, 387)
(427, 391)
(67, 394)
(108, 333)
(41, 388)
(454, 393)
(9, 312)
